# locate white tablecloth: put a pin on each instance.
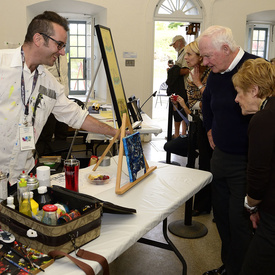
(154, 198)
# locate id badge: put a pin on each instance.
(26, 136)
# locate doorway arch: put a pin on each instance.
(169, 13)
(179, 10)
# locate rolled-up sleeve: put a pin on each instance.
(69, 112)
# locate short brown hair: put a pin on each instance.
(42, 23)
(258, 72)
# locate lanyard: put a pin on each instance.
(179, 53)
(57, 65)
(23, 90)
(181, 115)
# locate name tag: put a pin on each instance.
(26, 136)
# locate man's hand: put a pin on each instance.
(255, 218)
(93, 125)
(210, 139)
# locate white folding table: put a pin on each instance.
(154, 198)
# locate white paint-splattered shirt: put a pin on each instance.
(47, 97)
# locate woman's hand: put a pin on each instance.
(172, 97)
(181, 101)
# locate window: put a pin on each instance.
(77, 61)
(258, 36)
(178, 10)
(259, 42)
(171, 6)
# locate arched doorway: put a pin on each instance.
(171, 17)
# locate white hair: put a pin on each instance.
(219, 36)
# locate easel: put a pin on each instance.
(121, 190)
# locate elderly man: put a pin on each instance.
(227, 133)
(176, 82)
(29, 93)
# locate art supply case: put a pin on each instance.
(65, 237)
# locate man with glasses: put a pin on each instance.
(29, 94)
(60, 45)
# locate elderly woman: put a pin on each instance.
(195, 86)
(255, 84)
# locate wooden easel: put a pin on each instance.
(121, 190)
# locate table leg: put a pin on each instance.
(168, 246)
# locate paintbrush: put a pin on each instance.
(2, 255)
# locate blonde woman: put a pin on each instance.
(195, 85)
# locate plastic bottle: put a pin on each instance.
(42, 197)
(10, 202)
(34, 204)
(43, 175)
(25, 207)
(21, 188)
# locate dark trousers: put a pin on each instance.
(260, 257)
(186, 146)
(232, 220)
(202, 200)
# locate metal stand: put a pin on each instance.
(187, 228)
(85, 105)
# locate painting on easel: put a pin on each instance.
(112, 72)
(134, 156)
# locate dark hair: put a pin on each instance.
(42, 23)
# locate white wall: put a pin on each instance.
(132, 26)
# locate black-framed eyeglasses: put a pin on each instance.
(60, 44)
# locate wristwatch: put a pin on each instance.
(250, 209)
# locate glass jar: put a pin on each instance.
(49, 214)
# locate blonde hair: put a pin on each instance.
(258, 72)
(193, 46)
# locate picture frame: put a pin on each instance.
(134, 111)
(113, 74)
